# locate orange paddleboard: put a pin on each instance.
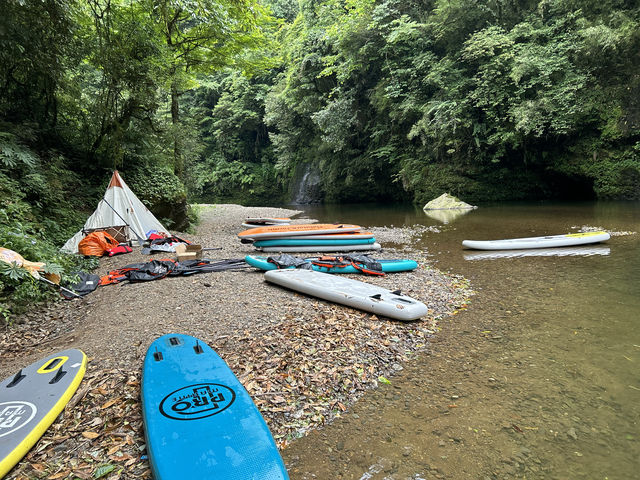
(277, 231)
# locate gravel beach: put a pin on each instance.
(303, 360)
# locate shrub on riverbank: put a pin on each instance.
(37, 212)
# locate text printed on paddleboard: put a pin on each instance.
(197, 401)
(15, 415)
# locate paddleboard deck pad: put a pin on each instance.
(387, 266)
(276, 231)
(567, 240)
(31, 400)
(199, 420)
(346, 291)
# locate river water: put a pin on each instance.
(538, 378)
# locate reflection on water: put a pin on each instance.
(448, 215)
(538, 252)
(541, 376)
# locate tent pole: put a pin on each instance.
(60, 287)
(125, 222)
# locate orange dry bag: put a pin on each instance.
(96, 244)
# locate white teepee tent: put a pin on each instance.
(119, 207)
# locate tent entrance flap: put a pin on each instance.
(118, 208)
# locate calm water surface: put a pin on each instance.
(554, 390)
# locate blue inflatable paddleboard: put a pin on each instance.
(301, 242)
(199, 421)
(388, 266)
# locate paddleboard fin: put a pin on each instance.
(157, 356)
(397, 292)
(59, 374)
(377, 296)
(198, 348)
(19, 376)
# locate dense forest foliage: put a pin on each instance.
(403, 100)
(247, 100)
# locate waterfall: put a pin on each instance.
(307, 186)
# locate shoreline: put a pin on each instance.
(304, 361)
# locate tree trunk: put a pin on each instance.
(178, 161)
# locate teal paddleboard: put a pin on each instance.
(388, 266)
(302, 242)
(199, 421)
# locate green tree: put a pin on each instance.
(202, 36)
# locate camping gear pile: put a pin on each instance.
(148, 271)
(157, 242)
(361, 263)
(121, 215)
(333, 264)
(120, 221)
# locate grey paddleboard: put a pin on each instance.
(346, 291)
(31, 400)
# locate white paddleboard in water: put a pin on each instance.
(567, 240)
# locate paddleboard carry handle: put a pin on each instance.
(157, 355)
(19, 376)
(58, 376)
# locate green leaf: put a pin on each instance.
(54, 268)
(382, 379)
(103, 470)
(13, 271)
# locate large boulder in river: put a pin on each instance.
(447, 202)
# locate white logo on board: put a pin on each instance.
(15, 415)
